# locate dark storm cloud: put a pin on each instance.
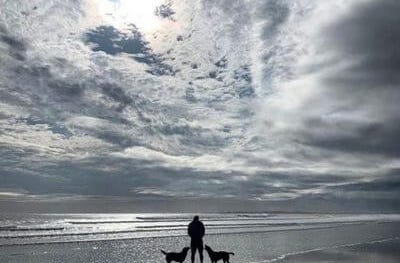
(75, 177)
(113, 42)
(371, 35)
(387, 185)
(14, 174)
(32, 183)
(142, 178)
(381, 193)
(16, 48)
(365, 93)
(373, 138)
(92, 176)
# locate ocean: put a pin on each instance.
(254, 237)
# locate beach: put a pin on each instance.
(376, 251)
(253, 238)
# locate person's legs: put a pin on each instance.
(193, 250)
(200, 248)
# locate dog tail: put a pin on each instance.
(231, 253)
(162, 251)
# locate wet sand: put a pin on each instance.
(382, 251)
(336, 244)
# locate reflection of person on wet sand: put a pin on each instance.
(196, 231)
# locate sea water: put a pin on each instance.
(262, 237)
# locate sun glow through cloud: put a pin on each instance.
(278, 100)
(141, 13)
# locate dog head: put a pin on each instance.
(207, 248)
(185, 249)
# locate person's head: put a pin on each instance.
(196, 218)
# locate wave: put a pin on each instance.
(6, 228)
(103, 222)
(155, 219)
(153, 228)
(69, 234)
(70, 227)
(17, 228)
(139, 229)
(312, 220)
(225, 225)
(165, 234)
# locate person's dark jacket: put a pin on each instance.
(196, 230)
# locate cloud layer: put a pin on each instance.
(275, 101)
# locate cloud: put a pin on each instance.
(368, 38)
(275, 101)
(359, 93)
(165, 10)
(336, 86)
(16, 48)
(117, 94)
(385, 187)
(205, 162)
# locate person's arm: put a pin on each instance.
(190, 230)
(203, 230)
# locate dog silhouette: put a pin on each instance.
(175, 256)
(218, 255)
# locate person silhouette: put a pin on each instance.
(196, 232)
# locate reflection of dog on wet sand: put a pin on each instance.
(218, 255)
(174, 256)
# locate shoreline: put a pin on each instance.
(184, 235)
(303, 246)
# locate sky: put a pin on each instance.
(209, 105)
